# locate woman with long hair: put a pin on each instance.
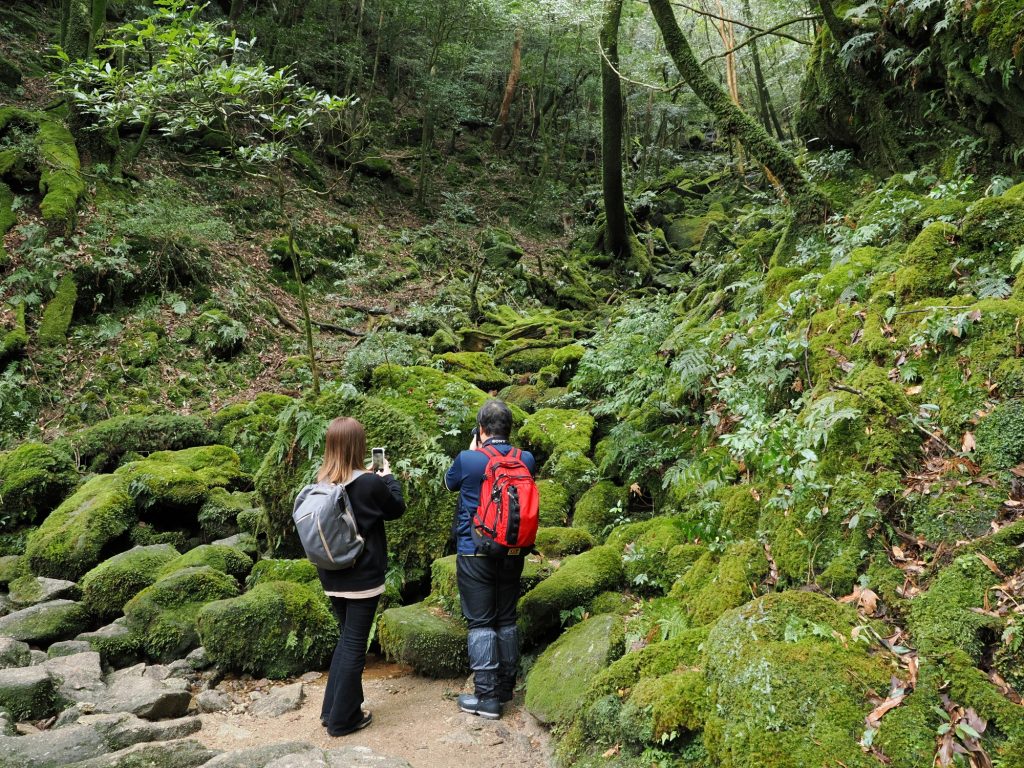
(375, 496)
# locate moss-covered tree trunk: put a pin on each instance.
(616, 239)
(808, 202)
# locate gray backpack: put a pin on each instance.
(326, 526)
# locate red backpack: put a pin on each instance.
(506, 521)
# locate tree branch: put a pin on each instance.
(753, 37)
(701, 12)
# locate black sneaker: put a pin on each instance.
(367, 719)
(486, 708)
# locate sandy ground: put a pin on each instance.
(413, 717)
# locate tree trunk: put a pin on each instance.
(808, 202)
(237, 7)
(616, 240)
(510, 90)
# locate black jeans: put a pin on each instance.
(343, 698)
(489, 590)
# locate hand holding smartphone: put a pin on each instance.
(379, 462)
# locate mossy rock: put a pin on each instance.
(1000, 436)
(45, 623)
(843, 277)
(272, 569)
(53, 328)
(219, 334)
(575, 583)
(117, 646)
(163, 615)
(647, 548)
(34, 478)
(554, 503)
(477, 368)
(619, 603)
(716, 583)
(525, 396)
(31, 590)
(994, 222)
(787, 687)
(14, 340)
(566, 359)
(662, 708)
(229, 560)
(926, 267)
(415, 539)
(573, 471)
(597, 510)
(288, 630)
(79, 534)
(561, 674)
(214, 465)
(101, 446)
(28, 693)
(957, 513)
(426, 638)
(249, 427)
(12, 567)
(553, 430)
(107, 587)
(61, 181)
(524, 357)
(218, 516)
(499, 249)
(163, 486)
(376, 167)
(559, 542)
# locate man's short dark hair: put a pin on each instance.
(495, 418)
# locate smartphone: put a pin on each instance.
(377, 460)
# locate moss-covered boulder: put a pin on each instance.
(477, 368)
(573, 470)
(426, 638)
(163, 487)
(651, 554)
(117, 646)
(107, 587)
(28, 693)
(787, 685)
(271, 569)
(558, 542)
(80, 533)
(597, 510)
(414, 540)
(218, 517)
(552, 430)
(277, 629)
(34, 478)
(101, 446)
(579, 579)
(163, 615)
(249, 428)
(53, 327)
(229, 560)
(215, 465)
(554, 503)
(46, 623)
(11, 568)
(561, 674)
(994, 224)
(716, 583)
(926, 267)
(13, 340)
(31, 590)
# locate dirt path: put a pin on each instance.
(414, 718)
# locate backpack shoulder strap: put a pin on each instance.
(516, 454)
(490, 451)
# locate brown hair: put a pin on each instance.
(345, 451)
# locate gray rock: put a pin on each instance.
(184, 753)
(37, 657)
(114, 644)
(213, 701)
(79, 677)
(180, 669)
(262, 756)
(198, 659)
(32, 590)
(13, 653)
(5, 604)
(68, 648)
(156, 672)
(46, 623)
(6, 724)
(362, 757)
(73, 713)
(28, 693)
(313, 758)
(91, 736)
(131, 690)
(287, 698)
(243, 541)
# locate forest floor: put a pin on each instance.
(414, 718)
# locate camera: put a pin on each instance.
(377, 459)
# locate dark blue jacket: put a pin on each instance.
(466, 475)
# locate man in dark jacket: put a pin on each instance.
(488, 585)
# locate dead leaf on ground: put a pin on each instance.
(968, 443)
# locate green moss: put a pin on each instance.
(34, 477)
(778, 280)
(550, 431)
(107, 587)
(562, 673)
(53, 328)
(35, 698)
(786, 686)
(558, 542)
(956, 513)
(740, 510)
(249, 428)
(554, 503)
(573, 471)
(219, 513)
(926, 267)
(11, 568)
(163, 615)
(76, 536)
(646, 547)
(163, 485)
(663, 708)
(618, 603)
(477, 368)
(580, 578)
(227, 560)
(1000, 436)
(61, 181)
(297, 571)
(8, 218)
(566, 359)
(426, 638)
(45, 623)
(996, 225)
(524, 357)
(444, 589)
(846, 274)
(14, 341)
(219, 334)
(101, 446)
(941, 619)
(278, 629)
(597, 510)
(717, 583)
(117, 647)
(214, 465)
